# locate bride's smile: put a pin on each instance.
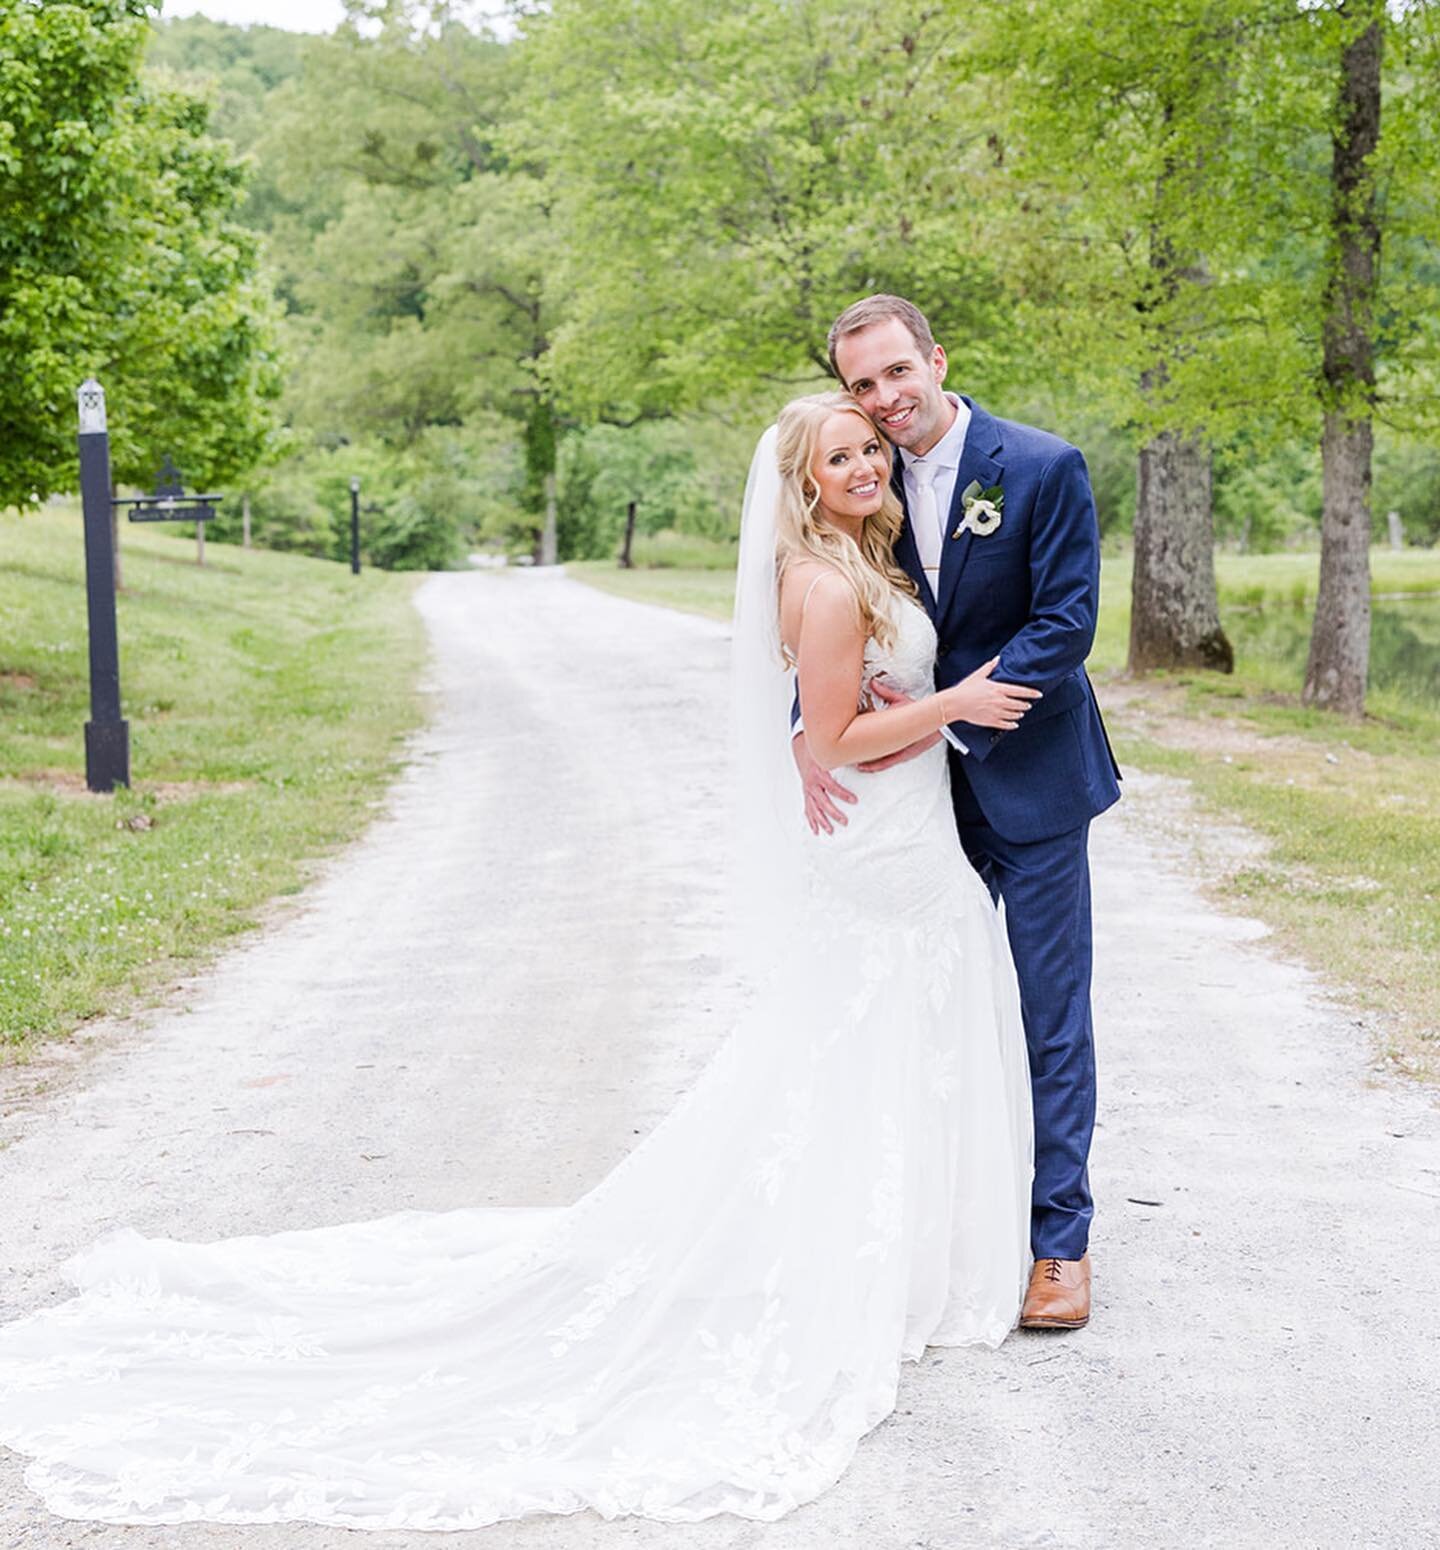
(851, 472)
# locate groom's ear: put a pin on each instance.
(939, 364)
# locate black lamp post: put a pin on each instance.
(626, 563)
(354, 527)
(107, 733)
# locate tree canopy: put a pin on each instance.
(121, 257)
(597, 248)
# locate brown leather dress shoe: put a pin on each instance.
(1059, 1295)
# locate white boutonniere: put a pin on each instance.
(981, 508)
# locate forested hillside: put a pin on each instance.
(399, 235)
(583, 265)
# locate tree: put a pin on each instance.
(1116, 194)
(724, 180)
(236, 70)
(429, 273)
(1347, 103)
(1339, 661)
(654, 464)
(120, 258)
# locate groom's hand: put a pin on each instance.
(890, 695)
(822, 790)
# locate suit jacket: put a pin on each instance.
(1027, 592)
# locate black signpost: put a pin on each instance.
(354, 526)
(170, 503)
(107, 733)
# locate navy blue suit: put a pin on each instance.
(1028, 593)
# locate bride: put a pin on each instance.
(715, 1325)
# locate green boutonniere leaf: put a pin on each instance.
(982, 509)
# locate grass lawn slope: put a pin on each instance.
(268, 698)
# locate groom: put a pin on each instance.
(1000, 538)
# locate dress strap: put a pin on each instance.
(804, 604)
(815, 582)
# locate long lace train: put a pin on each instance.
(711, 1329)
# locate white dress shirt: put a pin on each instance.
(944, 460)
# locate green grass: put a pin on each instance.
(268, 698)
(669, 550)
(1350, 810)
(1256, 580)
(1350, 875)
(708, 592)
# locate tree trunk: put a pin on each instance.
(1174, 610)
(1340, 639)
(245, 520)
(626, 563)
(1174, 616)
(540, 460)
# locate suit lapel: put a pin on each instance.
(906, 551)
(977, 462)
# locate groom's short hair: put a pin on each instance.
(879, 308)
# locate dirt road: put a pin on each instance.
(511, 977)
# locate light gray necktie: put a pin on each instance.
(925, 521)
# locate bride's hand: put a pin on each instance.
(983, 702)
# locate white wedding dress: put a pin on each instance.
(711, 1329)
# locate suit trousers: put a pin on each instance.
(1046, 889)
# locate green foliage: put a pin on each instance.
(120, 257)
(1127, 208)
(606, 467)
(239, 65)
(1267, 495)
(672, 550)
(531, 253)
(287, 512)
(1163, 198)
(237, 69)
(726, 179)
(1109, 450)
(411, 253)
(422, 505)
(1407, 480)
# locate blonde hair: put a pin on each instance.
(801, 533)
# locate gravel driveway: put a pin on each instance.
(513, 974)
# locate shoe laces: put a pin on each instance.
(1052, 1269)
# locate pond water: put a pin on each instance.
(1404, 643)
